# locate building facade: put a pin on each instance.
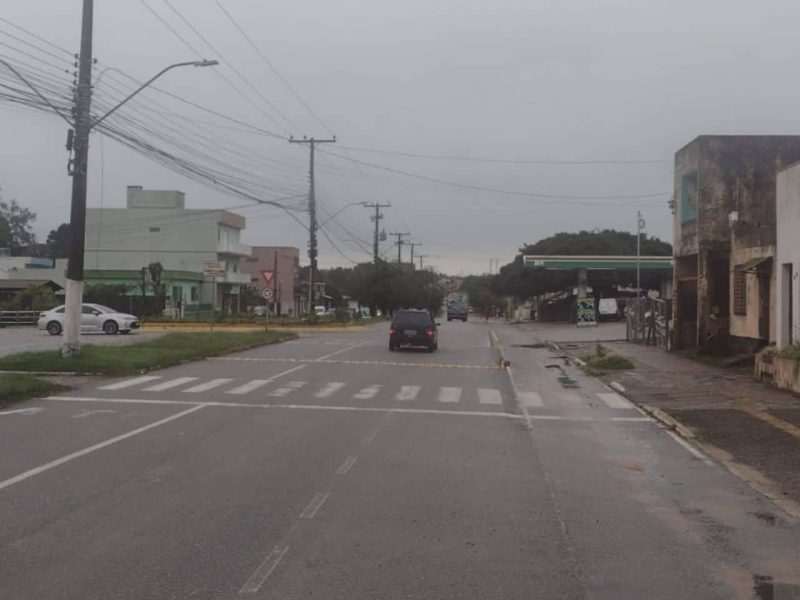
(156, 228)
(787, 257)
(284, 262)
(725, 239)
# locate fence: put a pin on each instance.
(648, 322)
(15, 318)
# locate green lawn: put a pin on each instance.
(599, 364)
(15, 388)
(167, 350)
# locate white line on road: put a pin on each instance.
(347, 465)
(691, 449)
(614, 400)
(353, 347)
(407, 393)
(489, 396)
(23, 411)
(297, 384)
(313, 506)
(250, 386)
(369, 438)
(449, 394)
(368, 393)
(69, 457)
(208, 385)
(168, 385)
(130, 382)
(329, 390)
(264, 570)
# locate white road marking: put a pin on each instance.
(286, 372)
(329, 390)
(23, 411)
(168, 385)
(369, 438)
(313, 506)
(264, 570)
(691, 449)
(449, 394)
(614, 400)
(489, 396)
(347, 465)
(368, 392)
(70, 457)
(130, 382)
(353, 347)
(250, 386)
(530, 399)
(88, 413)
(407, 393)
(208, 385)
(296, 385)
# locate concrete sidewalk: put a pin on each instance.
(749, 426)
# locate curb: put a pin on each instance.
(667, 421)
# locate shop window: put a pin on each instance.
(739, 290)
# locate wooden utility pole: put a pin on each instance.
(376, 237)
(312, 213)
(400, 243)
(413, 245)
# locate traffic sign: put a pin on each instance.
(213, 268)
(266, 293)
(268, 276)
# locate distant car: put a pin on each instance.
(319, 311)
(608, 309)
(413, 328)
(457, 312)
(95, 317)
(259, 310)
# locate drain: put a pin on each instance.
(532, 346)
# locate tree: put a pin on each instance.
(33, 297)
(5, 233)
(20, 223)
(608, 242)
(58, 241)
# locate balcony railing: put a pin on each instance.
(233, 248)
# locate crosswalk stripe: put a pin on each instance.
(160, 387)
(614, 400)
(130, 382)
(408, 392)
(489, 396)
(208, 385)
(250, 386)
(296, 385)
(329, 390)
(449, 394)
(368, 392)
(530, 399)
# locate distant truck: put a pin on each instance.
(457, 311)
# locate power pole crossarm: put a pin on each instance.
(376, 219)
(400, 243)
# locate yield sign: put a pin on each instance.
(268, 276)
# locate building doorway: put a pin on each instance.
(787, 305)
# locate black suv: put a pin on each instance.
(413, 328)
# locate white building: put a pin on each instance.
(156, 227)
(787, 256)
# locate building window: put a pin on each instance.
(193, 293)
(739, 290)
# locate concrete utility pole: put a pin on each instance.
(400, 243)
(377, 220)
(312, 213)
(420, 257)
(640, 224)
(413, 245)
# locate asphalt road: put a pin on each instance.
(330, 468)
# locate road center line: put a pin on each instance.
(264, 570)
(69, 457)
(369, 438)
(347, 465)
(353, 347)
(313, 506)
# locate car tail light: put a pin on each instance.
(429, 332)
(392, 331)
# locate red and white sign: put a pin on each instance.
(268, 277)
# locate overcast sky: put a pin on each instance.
(522, 80)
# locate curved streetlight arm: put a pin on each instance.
(334, 215)
(194, 63)
(36, 91)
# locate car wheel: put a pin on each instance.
(431, 348)
(54, 328)
(110, 327)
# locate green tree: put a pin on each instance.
(58, 241)
(608, 242)
(20, 224)
(33, 297)
(5, 233)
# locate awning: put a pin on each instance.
(754, 265)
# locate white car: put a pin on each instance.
(95, 317)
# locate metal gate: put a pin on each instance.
(648, 322)
(14, 318)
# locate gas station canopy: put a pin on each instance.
(597, 263)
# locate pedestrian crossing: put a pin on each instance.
(338, 391)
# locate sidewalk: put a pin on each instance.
(749, 426)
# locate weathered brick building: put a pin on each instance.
(724, 239)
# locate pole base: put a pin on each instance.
(71, 346)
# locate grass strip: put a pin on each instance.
(16, 388)
(599, 364)
(165, 351)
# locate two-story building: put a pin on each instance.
(199, 250)
(282, 264)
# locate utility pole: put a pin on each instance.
(312, 213)
(640, 224)
(400, 243)
(413, 245)
(376, 219)
(79, 171)
(420, 257)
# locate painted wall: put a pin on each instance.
(264, 258)
(747, 326)
(788, 252)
